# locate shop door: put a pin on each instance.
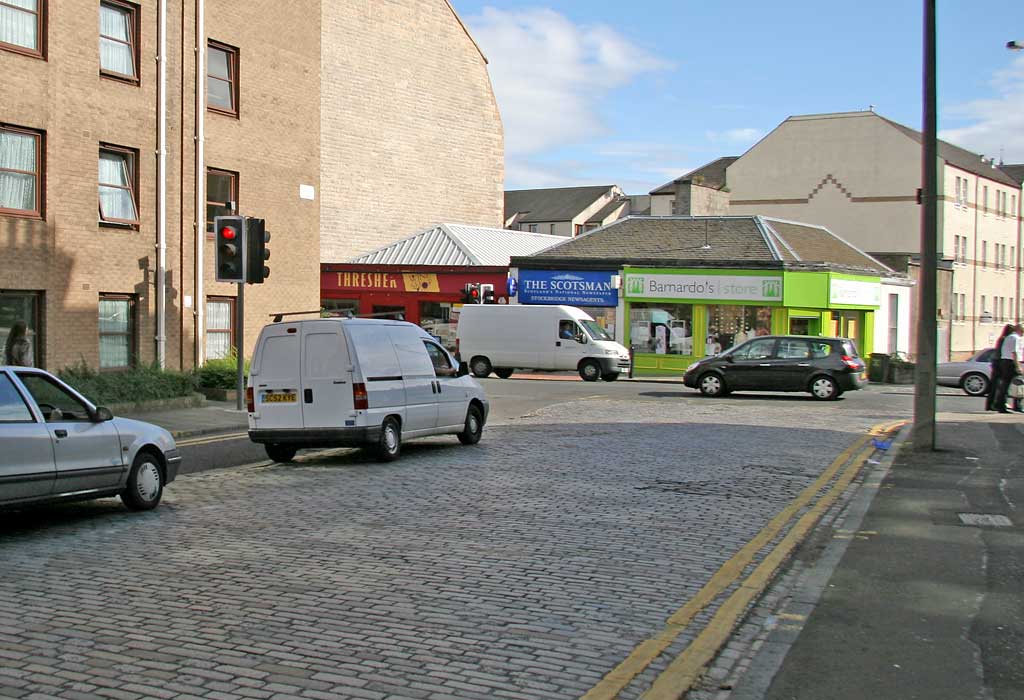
(805, 326)
(846, 324)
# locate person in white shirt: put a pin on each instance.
(1010, 358)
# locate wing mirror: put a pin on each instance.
(463, 369)
(102, 414)
(581, 339)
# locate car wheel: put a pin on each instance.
(145, 483)
(610, 376)
(480, 367)
(711, 384)
(389, 444)
(280, 453)
(590, 371)
(474, 427)
(824, 388)
(504, 372)
(974, 384)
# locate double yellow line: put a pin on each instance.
(675, 680)
(204, 440)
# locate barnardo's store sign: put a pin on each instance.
(572, 288)
(709, 287)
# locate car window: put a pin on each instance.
(985, 356)
(568, 330)
(439, 358)
(755, 349)
(793, 350)
(820, 350)
(56, 403)
(849, 349)
(12, 407)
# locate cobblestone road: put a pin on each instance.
(525, 567)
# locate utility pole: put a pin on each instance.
(927, 328)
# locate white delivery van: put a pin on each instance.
(356, 382)
(503, 338)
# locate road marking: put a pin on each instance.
(647, 651)
(203, 440)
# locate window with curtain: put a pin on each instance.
(21, 26)
(20, 171)
(221, 190)
(117, 331)
(219, 314)
(118, 192)
(222, 78)
(118, 39)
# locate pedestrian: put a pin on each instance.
(17, 351)
(994, 374)
(1009, 367)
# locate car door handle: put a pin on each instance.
(438, 387)
(804, 364)
(558, 343)
(60, 433)
(307, 395)
(765, 364)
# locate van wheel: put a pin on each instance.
(480, 367)
(504, 372)
(610, 376)
(280, 453)
(389, 444)
(145, 483)
(474, 427)
(590, 371)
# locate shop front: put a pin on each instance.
(594, 291)
(674, 316)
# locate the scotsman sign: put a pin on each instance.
(575, 288)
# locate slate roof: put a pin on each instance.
(457, 244)
(1016, 172)
(552, 204)
(712, 174)
(705, 241)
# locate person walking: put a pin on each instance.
(1009, 367)
(17, 350)
(994, 374)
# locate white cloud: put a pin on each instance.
(997, 123)
(550, 75)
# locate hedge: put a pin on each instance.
(143, 383)
(221, 374)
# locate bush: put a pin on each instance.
(143, 383)
(221, 374)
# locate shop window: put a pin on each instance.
(729, 325)
(220, 330)
(15, 307)
(21, 26)
(117, 331)
(663, 329)
(436, 319)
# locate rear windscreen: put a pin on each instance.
(850, 348)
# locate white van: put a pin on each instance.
(356, 382)
(503, 338)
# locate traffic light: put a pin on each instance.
(471, 293)
(487, 294)
(230, 256)
(256, 238)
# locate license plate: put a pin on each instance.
(864, 375)
(283, 397)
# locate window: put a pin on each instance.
(730, 325)
(894, 323)
(12, 407)
(793, 349)
(220, 331)
(984, 305)
(984, 199)
(222, 79)
(117, 331)
(56, 403)
(21, 26)
(984, 253)
(439, 359)
(1013, 205)
(21, 306)
(661, 328)
(119, 40)
(221, 195)
(534, 228)
(340, 307)
(577, 229)
(436, 319)
(119, 194)
(756, 350)
(551, 230)
(21, 171)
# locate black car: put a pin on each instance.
(826, 367)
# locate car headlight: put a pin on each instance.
(694, 366)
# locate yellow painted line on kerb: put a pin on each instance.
(647, 651)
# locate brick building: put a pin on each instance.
(85, 226)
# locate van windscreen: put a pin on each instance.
(595, 330)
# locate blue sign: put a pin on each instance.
(511, 286)
(565, 287)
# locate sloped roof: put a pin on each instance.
(1016, 172)
(728, 241)
(552, 204)
(607, 209)
(457, 244)
(711, 174)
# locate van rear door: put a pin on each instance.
(327, 399)
(274, 378)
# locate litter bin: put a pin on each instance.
(878, 367)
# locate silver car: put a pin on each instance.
(56, 445)
(973, 376)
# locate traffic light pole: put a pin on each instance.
(239, 345)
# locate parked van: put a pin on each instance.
(502, 338)
(356, 382)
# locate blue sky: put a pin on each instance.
(636, 94)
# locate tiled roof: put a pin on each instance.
(456, 244)
(710, 174)
(607, 209)
(807, 243)
(1016, 172)
(553, 204)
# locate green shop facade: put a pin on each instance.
(676, 315)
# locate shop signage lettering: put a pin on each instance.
(711, 287)
(854, 292)
(367, 280)
(583, 288)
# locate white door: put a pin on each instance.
(567, 344)
(421, 391)
(452, 395)
(275, 379)
(327, 399)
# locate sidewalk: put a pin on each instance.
(214, 417)
(928, 599)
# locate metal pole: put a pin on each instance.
(239, 345)
(924, 391)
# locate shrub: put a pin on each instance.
(144, 383)
(221, 374)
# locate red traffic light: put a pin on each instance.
(228, 233)
(475, 293)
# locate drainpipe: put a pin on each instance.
(161, 193)
(1020, 255)
(974, 270)
(200, 220)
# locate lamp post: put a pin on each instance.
(1018, 46)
